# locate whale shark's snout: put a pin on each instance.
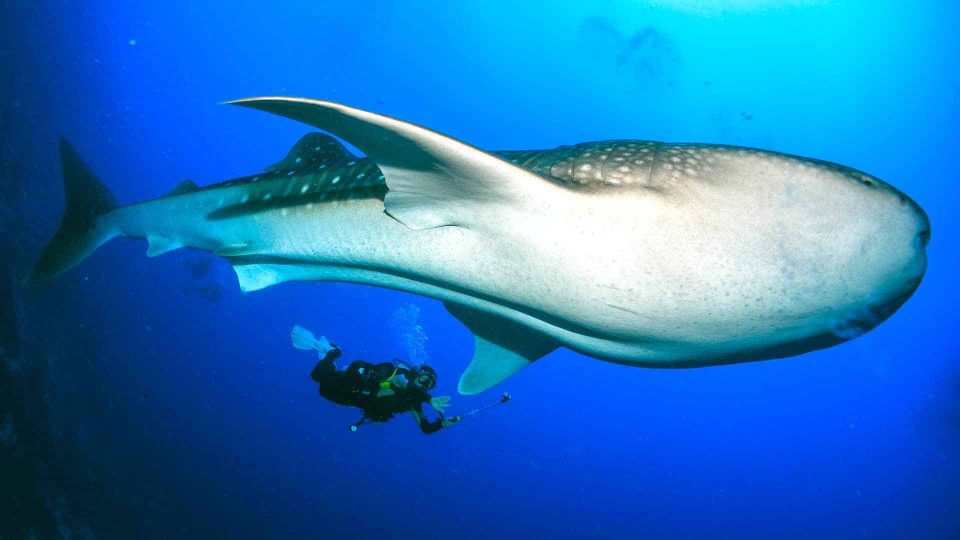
(917, 266)
(912, 212)
(924, 224)
(916, 235)
(895, 255)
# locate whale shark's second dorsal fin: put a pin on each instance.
(187, 186)
(311, 151)
(432, 180)
(502, 348)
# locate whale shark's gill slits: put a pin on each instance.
(356, 182)
(528, 159)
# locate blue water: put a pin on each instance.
(135, 406)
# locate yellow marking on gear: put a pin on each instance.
(385, 384)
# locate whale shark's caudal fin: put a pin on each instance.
(502, 348)
(432, 180)
(81, 231)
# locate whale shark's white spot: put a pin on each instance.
(267, 197)
(291, 173)
(245, 199)
(305, 188)
(335, 180)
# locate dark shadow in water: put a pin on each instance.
(210, 293)
(9, 325)
(11, 171)
(199, 267)
(49, 487)
(10, 176)
(954, 399)
(647, 53)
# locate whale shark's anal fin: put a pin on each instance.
(253, 277)
(502, 348)
(158, 245)
(432, 180)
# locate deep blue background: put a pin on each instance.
(179, 414)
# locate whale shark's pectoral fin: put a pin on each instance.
(502, 348)
(432, 180)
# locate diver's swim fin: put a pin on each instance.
(304, 340)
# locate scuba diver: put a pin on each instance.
(379, 390)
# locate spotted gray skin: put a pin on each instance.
(635, 252)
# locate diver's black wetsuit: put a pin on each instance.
(359, 384)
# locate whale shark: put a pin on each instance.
(637, 252)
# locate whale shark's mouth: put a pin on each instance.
(868, 317)
(860, 323)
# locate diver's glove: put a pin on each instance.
(304, 340)
(440, 403)
(447, 422)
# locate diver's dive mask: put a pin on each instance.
(425, 377)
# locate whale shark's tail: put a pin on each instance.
(81, 230)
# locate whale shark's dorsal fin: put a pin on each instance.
(502, 348)
(432, 180)
(312, 150)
